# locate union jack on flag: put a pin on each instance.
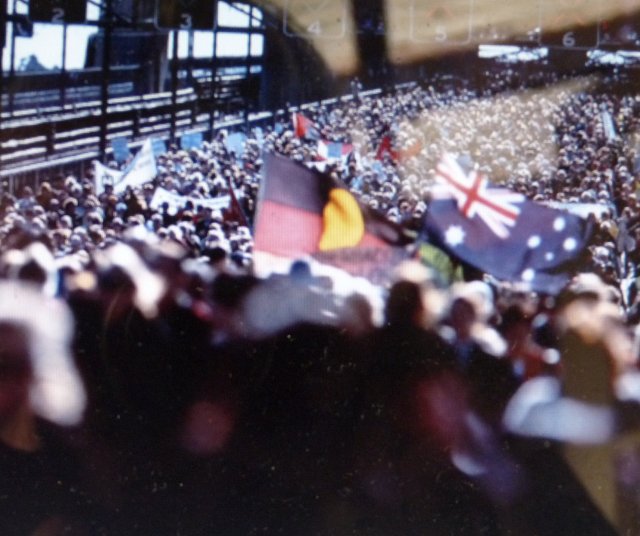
(328, 150)
(495, 206)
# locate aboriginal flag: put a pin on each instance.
(303, 213)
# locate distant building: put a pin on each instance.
(31, 64)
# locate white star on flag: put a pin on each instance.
(495, 207)
(454, 235)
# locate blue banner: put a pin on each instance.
(120, 148)
(159, 147)
(193, 140)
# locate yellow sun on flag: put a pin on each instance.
(343, 221)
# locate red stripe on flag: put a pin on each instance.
(287, 231)
(372, 241)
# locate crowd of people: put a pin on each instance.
(151, 384)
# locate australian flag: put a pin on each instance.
(501, 232)
(303, 127)
(332, 151)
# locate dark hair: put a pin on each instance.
(403, 303)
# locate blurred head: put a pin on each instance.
(37, 372)
(404, 304)
(462, 316)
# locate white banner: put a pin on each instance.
(177, 202)
(104, 175)
(141, 170)
(609, 126)
(581, 209)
